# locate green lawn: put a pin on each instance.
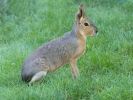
(106, 68)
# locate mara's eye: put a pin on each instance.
(86, 24)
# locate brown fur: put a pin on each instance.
(66, 49)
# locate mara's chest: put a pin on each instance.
(80, 50)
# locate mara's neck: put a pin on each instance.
(77, 33)
(74, 30)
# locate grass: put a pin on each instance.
(106, 68)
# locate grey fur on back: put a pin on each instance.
(54, 54)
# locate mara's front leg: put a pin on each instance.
(74, 68)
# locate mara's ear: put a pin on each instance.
(80, 13)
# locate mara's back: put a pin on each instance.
(55, 53)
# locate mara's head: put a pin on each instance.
(84, 25)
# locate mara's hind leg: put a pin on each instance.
(38, 76)
(39, 70)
